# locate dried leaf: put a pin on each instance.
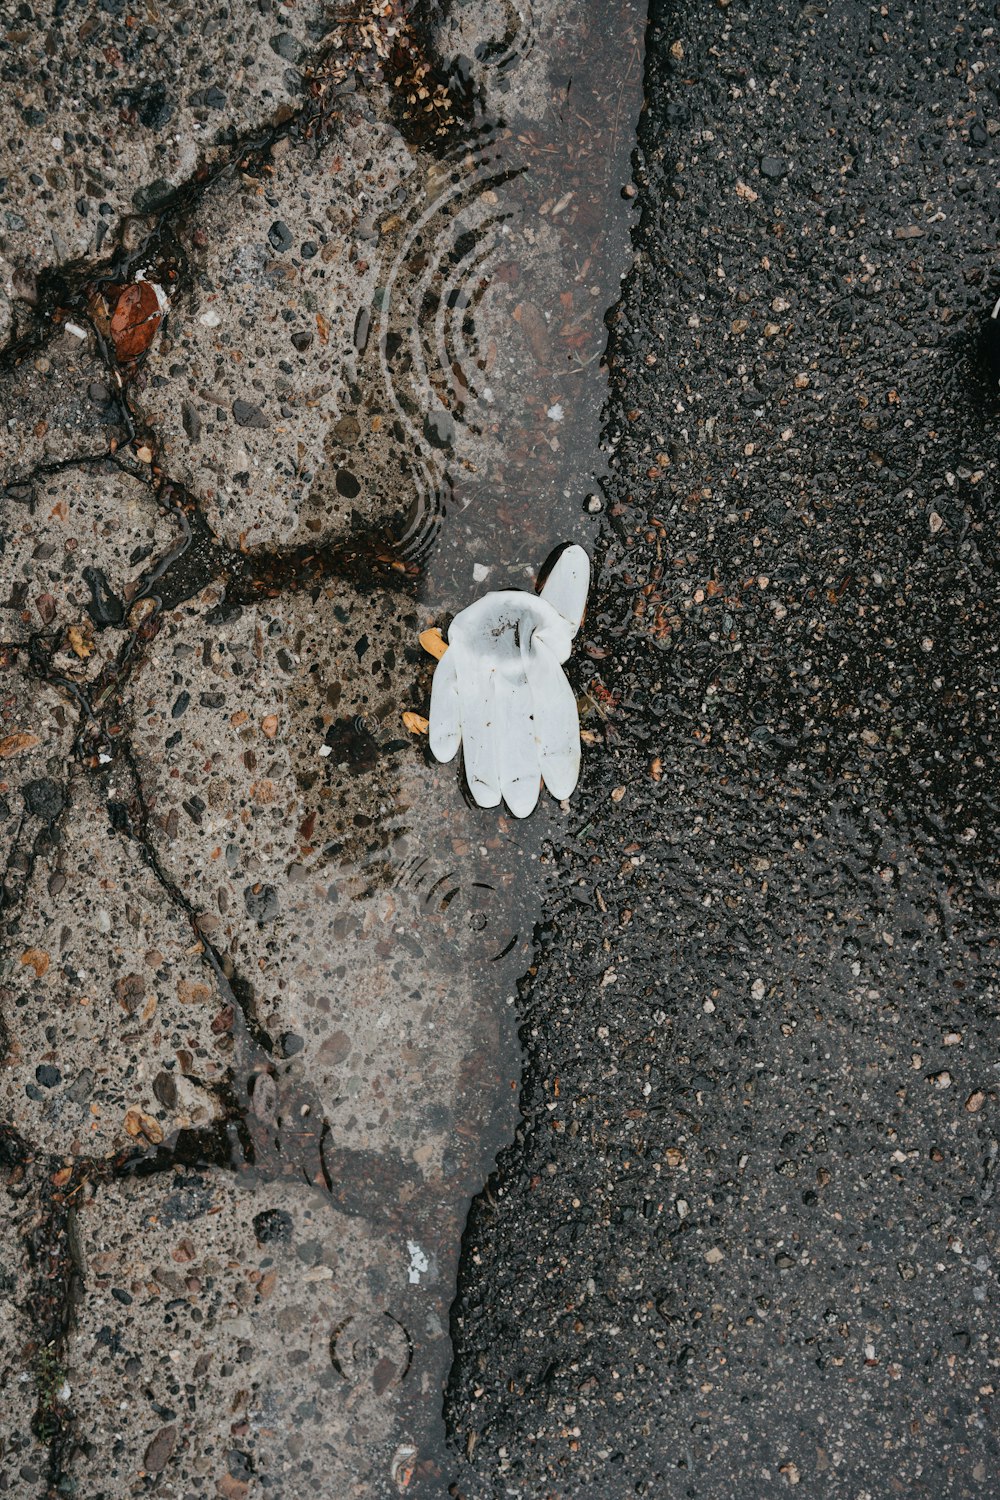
(139, 1124)
(16, 744)
(433, 643)
(535, 330)
(79, 642)
(136, 317)
(415, 723)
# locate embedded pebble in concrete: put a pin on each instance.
(77, 542)
(106, 1004)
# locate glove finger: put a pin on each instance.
(557, 723)
(567, 585)
(517, 747)
(557, 635)
(445, 732)
(478, 733)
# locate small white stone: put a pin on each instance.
(419, 1264)
(555, 413)
(758, 989)
(480, 572)
(210, 319)
(75, 330)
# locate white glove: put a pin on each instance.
(500, 690)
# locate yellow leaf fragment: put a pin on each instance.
(415, 723)
(137, 1123)
(79, 642)
(433, 643)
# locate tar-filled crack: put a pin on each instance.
(199, 559)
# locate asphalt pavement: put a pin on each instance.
(746, 1236)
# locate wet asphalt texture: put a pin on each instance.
(746, 1237)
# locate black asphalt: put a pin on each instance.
(746, 1238)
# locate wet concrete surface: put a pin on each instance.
(746, 1238)
(303, 324)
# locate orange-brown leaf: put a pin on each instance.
(137, 1123)
(136, 318)
(16, 744)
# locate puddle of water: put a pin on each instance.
(490, 332)
(418, 422)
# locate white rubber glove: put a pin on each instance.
(500, 691)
